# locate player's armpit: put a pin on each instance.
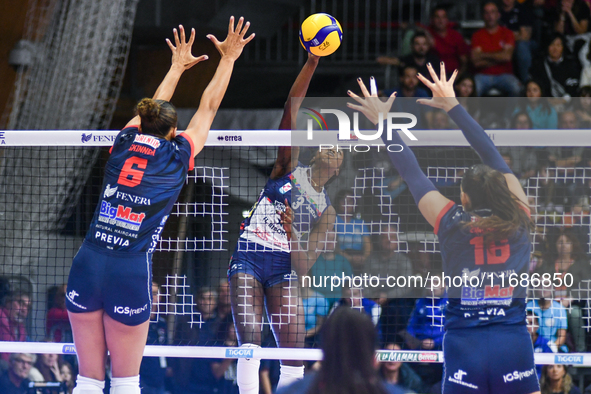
(431, 205)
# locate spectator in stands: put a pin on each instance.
(224, 370)
(401, 374)
(465, 88)
(448, 43)
(349, 359)
(425, 331)
(354, 299)
(316, 309)
(353, 236)
(330, 264)
(57, 322)
(583, 107)
(14, 380)
(537, 107)
(13, 316)
(224, 308)
(519, 19)
(425, 327)
(522, 160)
(409, 88)
(68, 376)
(556, 380)
(492, 51)
(203, 334)
(46, 368)
(569, 258)
(153, 369)
(421, 55)
(539, 343)
(553, 318)
(557, 70)
(386, 260)
(571, 17)
(566, 157)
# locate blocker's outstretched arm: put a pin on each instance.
(182, 60)
(428, 199)
(444, 97)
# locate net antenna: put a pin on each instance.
(77, 57)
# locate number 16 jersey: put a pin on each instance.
(143, 179)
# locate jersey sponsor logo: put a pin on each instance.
(239, 353)
(133, 198)
(458, 378)
(71, 295)
(109, 191)
(121, 216)
(568, 359)
(285, 188)
(147, 140)
(111, 239)
(518, 376)
(142, 149)
(490, 295)
(125, 310)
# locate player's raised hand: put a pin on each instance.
(232, 46)
(181, 51)
(371, 106)
(444, 96)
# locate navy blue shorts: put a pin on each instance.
(490, 359)
(118, 282)
(268, 267)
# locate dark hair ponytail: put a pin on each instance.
(157, 116)
(349, 340)
(488, 189)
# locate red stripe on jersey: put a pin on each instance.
(443, 212)
(191, 159)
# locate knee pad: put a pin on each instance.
(247, 372)
(289, 374)
(129, 385)
(86, 385)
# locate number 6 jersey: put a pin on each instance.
(143, 179)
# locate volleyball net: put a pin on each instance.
(378, 232)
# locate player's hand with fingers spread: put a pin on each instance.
(232, 46)
(371, 106)
(181, 51)
(444, 96)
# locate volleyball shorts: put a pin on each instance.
(268, 267)
(118, 282)
(490, 359)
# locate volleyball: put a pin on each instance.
(321, 34)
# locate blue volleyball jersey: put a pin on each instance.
(143, 179)
(263, 223)
(485, 296)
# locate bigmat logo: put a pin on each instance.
(121, 216)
